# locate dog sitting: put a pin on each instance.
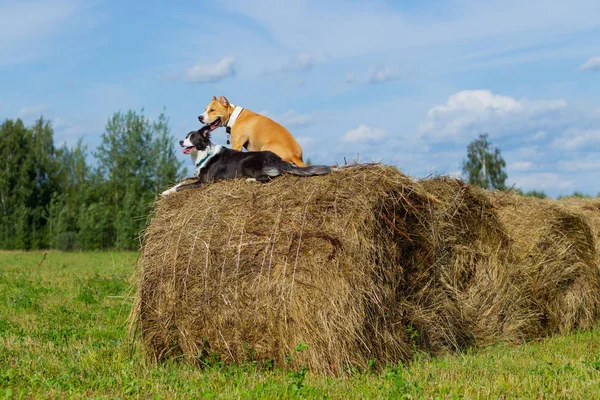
(251, 131)
(215, 162)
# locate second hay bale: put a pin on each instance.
(590, 208)
(471, 269)
(556, 254)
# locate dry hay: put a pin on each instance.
(556, 253)
(588, 207)
(470, 271)
(363, 264)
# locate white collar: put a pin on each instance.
(234, 116)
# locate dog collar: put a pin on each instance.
(208, 156)
(199, 163)
(234, 116)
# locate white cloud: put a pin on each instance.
(579, 165)
(539, 135)
(478, 111)
(593, 64)
(302, 62)
(548, 145)
(543, 181)
(65, 131)
(305, 141)
(384, 74)
(533, 153)
(475, 100)
(520, 166)
(364, 133)
(69, 132)
(33, 111)
(292, 119)
(266, 113)
(351, 77)
(577, 139)
(203, 73)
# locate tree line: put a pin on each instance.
(68, 199)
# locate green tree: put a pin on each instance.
(26, 183)
(74, 191)
(41, 161)
(540, 194)
(484, 165)
(52, 197)
(13, 143)
(576, 194)
(136, 159)
(165, 166)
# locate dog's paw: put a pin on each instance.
(250, 179)
(168, 191)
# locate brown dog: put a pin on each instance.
(252, 131)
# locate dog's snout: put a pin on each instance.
(181, 143)
(200, 118)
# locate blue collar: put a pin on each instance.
(213, 150)
(199, 163)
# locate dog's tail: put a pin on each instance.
(294, 170)
(310, 170)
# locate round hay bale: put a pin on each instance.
(588, 207)
(472, 281)
(246, 270)
(363, 264)
(555, 251)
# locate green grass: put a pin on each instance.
(63, 335)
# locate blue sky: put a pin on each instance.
(408, 83)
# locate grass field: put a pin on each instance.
(63, 335)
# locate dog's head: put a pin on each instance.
(217, 113)
(196, 140)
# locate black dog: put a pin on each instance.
(214, 162)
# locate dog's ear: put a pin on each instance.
(214, 98)
(205, 133)
(224, 102)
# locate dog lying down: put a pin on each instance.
(215, 162)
